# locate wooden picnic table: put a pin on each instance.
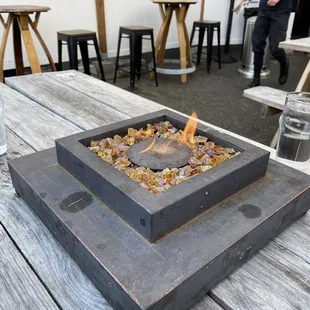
(36, 272)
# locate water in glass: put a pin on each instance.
(294, 141)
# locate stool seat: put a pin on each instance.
(23, 8)
(76, 33)
(80, 37)
(139, 30)
(136, 28)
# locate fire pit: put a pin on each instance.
(161, 156)
(180, 242)
(151, 215)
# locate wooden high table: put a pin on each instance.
(37, 273)
(300, 45)
(19, 17)
(180, 7)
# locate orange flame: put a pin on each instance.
(190, 129)
(149, 147)
(187, 135)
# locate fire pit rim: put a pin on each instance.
(148, 204)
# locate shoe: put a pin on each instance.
(255, 82)
(284, 67)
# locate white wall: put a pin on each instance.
(81, 14)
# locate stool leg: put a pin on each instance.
(72, 50)
(154, 59)
(219, 46)
(59, 55)
(30, 48)
(99, 58)
(192, 35)
(209, 47)
(138, 55)
(18, 52)
(85, 56)
(200, 44)
(117, 56)
(37, 33)
(132, 44)
(3, 45)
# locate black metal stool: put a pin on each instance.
(81, 37)
(209, 26)
(135, 34)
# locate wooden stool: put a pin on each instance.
(73, 38)
(208, 26)
(19, 17)
(166, 10)
(135, 34)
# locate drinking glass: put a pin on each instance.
(294, 140)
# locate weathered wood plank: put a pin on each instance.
(79, 109)
(19, 286)
(301, 45)
(64, 279)
(37, 126)
(207, 304)
(112, 96)
(273, 279)
(271, 97)
(296, 239)
(16, 147)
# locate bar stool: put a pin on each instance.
(135, 34)
(210, 27)
(81, 37)
(19, 18)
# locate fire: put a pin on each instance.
(190, 129)
(187, 135)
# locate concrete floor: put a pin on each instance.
(217, 98)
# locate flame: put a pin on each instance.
(190, 129)
(187, 135)
(149, 147)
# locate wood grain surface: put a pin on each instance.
(116, 98)
(23, 8)
(19, 286)
(77, 108)
(33, 123)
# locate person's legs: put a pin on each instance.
(277, 33)
(260, 34)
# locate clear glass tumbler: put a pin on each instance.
(294, 140)
(2, 129)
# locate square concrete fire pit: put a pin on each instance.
(181, 242)
(153, 216)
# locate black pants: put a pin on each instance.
(272, 24)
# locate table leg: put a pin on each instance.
(18, 52)
(34, 26)
(31, 51)
(304, 83)
(181, 13)
(163, 35)
(188, 44)
(5, 35)
(161, 40)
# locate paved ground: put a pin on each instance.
(217, 98)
